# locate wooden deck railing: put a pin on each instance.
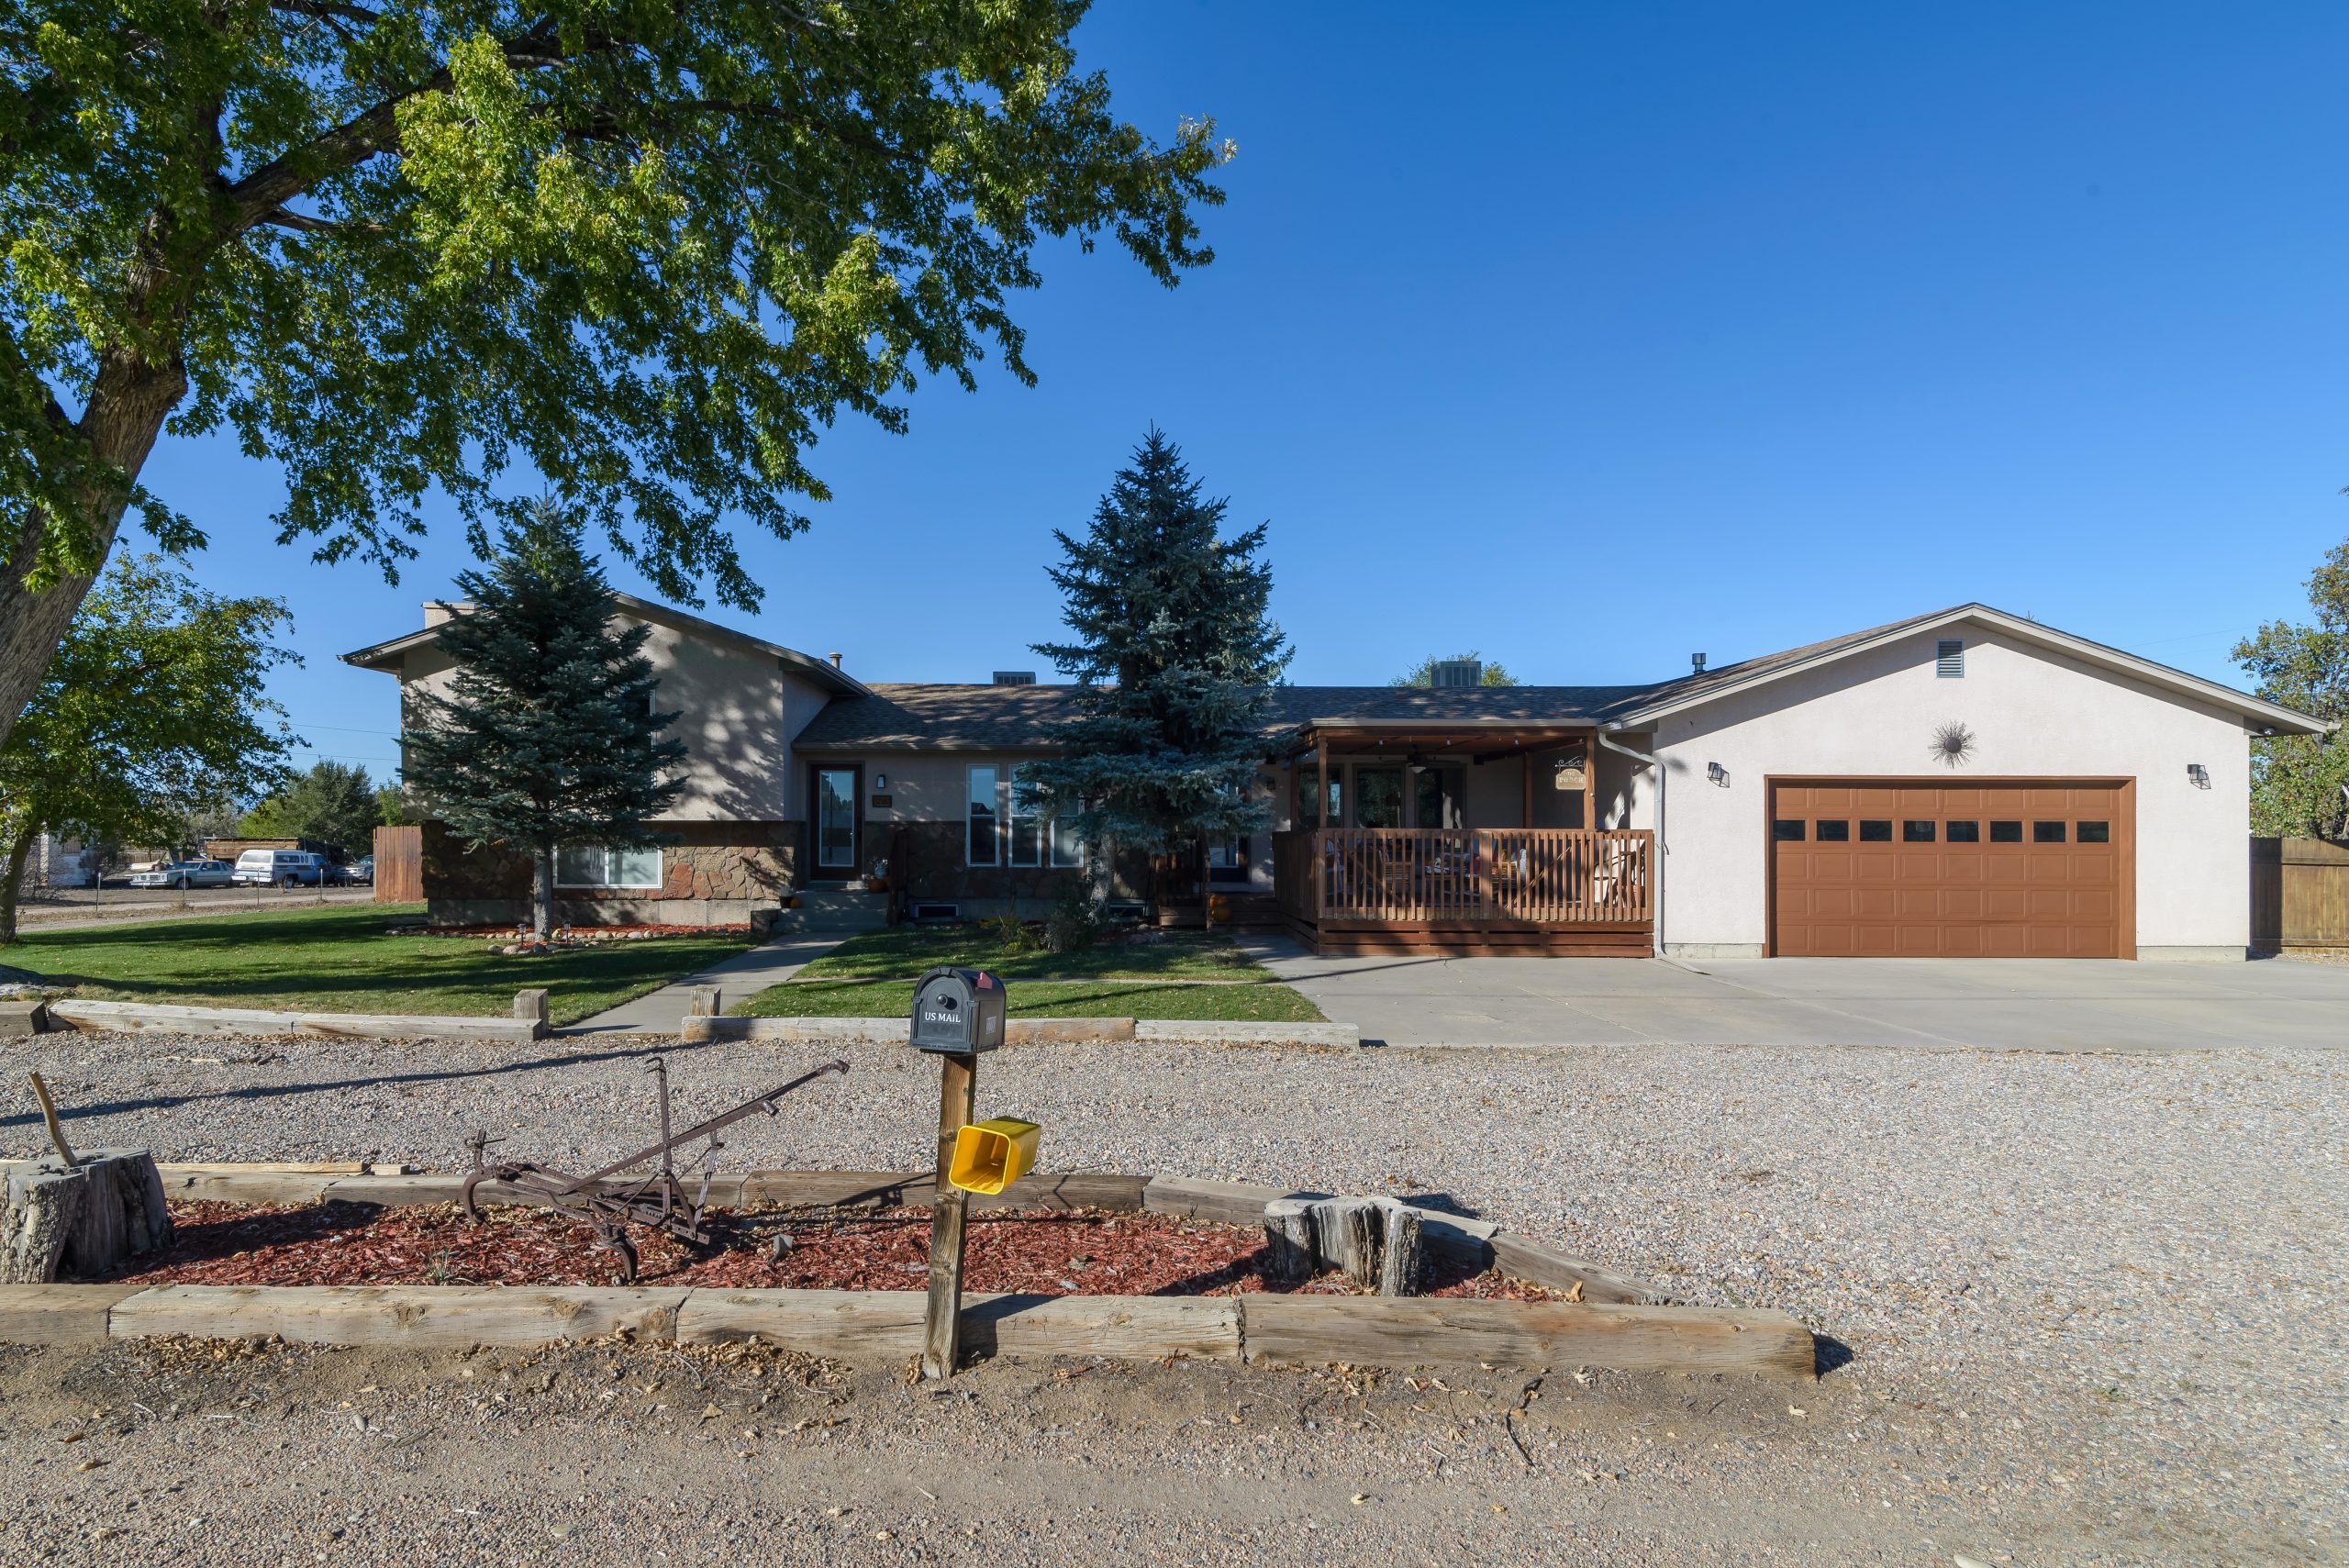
(1410, 875)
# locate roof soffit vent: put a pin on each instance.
(1014, 677)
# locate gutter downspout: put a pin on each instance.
(1607, 740)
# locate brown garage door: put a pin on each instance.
(1914, 868)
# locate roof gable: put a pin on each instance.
(1692, 691)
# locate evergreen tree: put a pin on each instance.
(1173, 651)
(547, 736)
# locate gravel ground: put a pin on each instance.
(2090, 1306)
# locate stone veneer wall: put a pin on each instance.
(713, 874)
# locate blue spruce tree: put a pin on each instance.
(1173, 651)
(547, 736)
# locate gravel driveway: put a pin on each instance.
(2092, 1303)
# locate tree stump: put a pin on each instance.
(1288, 1240)
(1349, 1234)
(1398, 1258)
(85, 1220)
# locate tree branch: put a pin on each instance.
(303, 223)
(268, 188)
(325, 10)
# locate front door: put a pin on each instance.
(834, 815)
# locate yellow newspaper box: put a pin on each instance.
(991, 1155)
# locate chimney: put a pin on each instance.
(836, 660)
(1696, 664)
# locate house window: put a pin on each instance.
(1068, 850)
(1949, 658)
(980, 846)
(1307, 775)
(592, 865)
(1027, 826)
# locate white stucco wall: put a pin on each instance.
(2033, 711)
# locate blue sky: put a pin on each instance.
(1592, 335)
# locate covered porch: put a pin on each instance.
(1457, 837)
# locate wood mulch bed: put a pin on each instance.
(1038, 1252)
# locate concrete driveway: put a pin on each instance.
(1930, 1003)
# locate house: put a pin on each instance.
(1967, 783)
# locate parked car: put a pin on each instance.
(184, 874)
(359, 873)
(286, 868)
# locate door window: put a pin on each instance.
(836, 816)
(981, 847)
(1378, 797)
(1439, 797)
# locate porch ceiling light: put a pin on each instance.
(2200, 775)
(1716, 774)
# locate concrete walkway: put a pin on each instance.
(657, 1012)
(1944, 1003)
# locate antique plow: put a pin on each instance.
(610, 1202)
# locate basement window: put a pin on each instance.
(592, 865)
(1949, 658)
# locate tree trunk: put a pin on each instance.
(129, 403)
(1289, 1251)
(542, 892)
(20, 849)
(86, 1220)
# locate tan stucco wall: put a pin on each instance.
(2034, 712)
(736, 709)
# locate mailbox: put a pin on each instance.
(958, 1012)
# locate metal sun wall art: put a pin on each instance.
(1954, 744)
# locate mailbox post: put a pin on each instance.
(958, 1013)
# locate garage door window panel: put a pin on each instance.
(1962, 831)
(2006, 832)
(2047, 832)
(1914, 831)
(2096, 832)
(1833, 831)
(1876, 830)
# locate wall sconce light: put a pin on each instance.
(880, 780)
(2200, 775)
(1716, 774)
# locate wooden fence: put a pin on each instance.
(2299, 894)
(399, 865)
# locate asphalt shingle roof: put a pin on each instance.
(915, 715)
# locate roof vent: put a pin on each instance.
(1457, 672)
(1014, 677)
(1949, 658)
(1696, 664)
(836, 660)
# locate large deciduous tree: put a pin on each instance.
(646, 248)
(2300, 784)
(548, 735)
(330, 803)
(150, 711)
(1173, 652)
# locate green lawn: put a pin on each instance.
(907, 951)
(1267, 1003)
(343, 960)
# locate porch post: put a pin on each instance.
(1320, 783)
(1590, 780)
(1527, 761)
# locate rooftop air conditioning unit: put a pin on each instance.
(1014, 677)
(1458, 673)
